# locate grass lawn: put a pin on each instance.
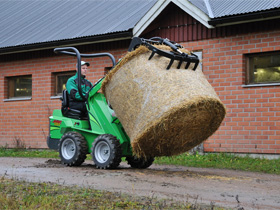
(223, 161)
(45, 196)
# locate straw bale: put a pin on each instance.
(164, 112)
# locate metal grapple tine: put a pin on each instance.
(187, 65)
(180, 63)
(170, 63)
(152, 55)
(195, 65)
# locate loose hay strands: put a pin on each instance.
(164, 112)
(125, 59)
(181, 129)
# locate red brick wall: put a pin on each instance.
(27, 120)
(252, 123)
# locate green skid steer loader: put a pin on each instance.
(100, 134)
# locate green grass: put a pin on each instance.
(42, 196)
(17, 152)
(223, 161)
(217, 160)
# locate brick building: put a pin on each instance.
(239, 43)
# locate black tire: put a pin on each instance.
(106, 152)
(73, 149)
(140, 163)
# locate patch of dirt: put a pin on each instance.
(227, 188)
(51, 163)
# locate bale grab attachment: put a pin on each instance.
(175, 54)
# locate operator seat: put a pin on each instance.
(66, 110)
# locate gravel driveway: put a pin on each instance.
(227, 188)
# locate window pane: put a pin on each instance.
(20, 86)
(265, 68)
(61, 83)
(61, 79)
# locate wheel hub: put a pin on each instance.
(68, 149)
(102, 152)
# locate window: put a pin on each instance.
(199, 55)
(60, 81)
(107, 69)
(263, 68)
(19, 87)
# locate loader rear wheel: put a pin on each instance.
(106, 152)
(72, 149)
(140, 163)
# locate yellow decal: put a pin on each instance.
(54, 128)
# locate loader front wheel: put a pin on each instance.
(140, 163)
(72, 149)
(106, 152)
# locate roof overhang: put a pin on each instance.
(148, 18)
(118, 36)
(245, 18)
(194, 12)
(158, 7)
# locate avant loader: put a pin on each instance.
(100, 133)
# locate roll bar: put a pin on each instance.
(74, 52)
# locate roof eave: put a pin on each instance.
(194, 11)
(151, 15)
(245, 18)
(147, 19)
(68, 42)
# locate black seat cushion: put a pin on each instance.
(67, 111)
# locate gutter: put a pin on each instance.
(244, 18)
(68, 42)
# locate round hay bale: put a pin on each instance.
(164, 112)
